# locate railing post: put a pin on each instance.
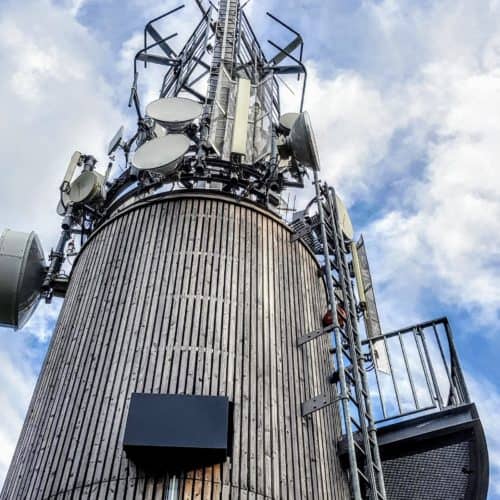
(455, 362)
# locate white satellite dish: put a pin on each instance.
(116, 141)
(162, 154)
(287, 120)
(22, 270)
(87, 187)
(303, 143)
(344, 219)
(175, 113)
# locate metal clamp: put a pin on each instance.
(313, 335)
(317, 403)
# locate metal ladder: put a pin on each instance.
(221, 84)
(225, 42)
(365, 469)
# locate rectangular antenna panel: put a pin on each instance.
(259, 119)
(372, 320)
(261, 125)
(222, 109)
(240, 127)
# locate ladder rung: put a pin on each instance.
(355, 424)
(353, 399)
(350, 377)
(363, 477)
(347, 354)
(344, 335)
(360, 448)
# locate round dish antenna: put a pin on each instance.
(87, 187)
(162, 154)
(175, 113)
(287, 120)
(22, 270)
(302, 142)
(344, 219)
(116, 141)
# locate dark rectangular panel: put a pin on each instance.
(167, 432)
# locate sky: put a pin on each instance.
(404, 97)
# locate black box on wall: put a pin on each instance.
(167, 432)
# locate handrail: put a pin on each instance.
(420, 371)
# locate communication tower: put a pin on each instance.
(214, 342)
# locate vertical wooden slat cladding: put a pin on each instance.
(187, 294)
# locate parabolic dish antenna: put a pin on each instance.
(22, 270)
(303, 142)
(344, 219)
(87, 187)
(162, 154)
(174, 112)
(287, 120)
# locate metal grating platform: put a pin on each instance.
(440, 473)
(442, 456)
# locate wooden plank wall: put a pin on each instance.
(185, 295)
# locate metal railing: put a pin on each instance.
(415, 370)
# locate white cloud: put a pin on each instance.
(445, 233)
(56, 101)
(354, 124)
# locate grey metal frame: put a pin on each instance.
(434, 344)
